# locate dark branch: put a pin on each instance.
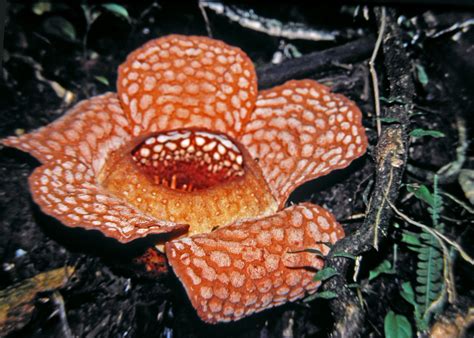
(310, 64)
(390, 160)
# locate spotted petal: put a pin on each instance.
(66, 189)
(187, 81)
(89, 132)
(300, 131)
(253, 265)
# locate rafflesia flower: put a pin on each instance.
(188, 145)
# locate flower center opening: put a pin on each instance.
(189, 160)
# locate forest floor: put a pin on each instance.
(58, 54)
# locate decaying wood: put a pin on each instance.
(273, 27)
(390, 160)
(17, 301)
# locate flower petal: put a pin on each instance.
(66, 189)
(300, 131)
(253, 265)
(89, 132)
(187, 81)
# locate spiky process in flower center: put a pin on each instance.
(189, 176)
(189, 160)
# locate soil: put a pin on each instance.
(109, 295)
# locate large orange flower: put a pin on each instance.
(189, 144)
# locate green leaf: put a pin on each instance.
(328, 244)
(418, 132)
(324, 274)
(425, 235)
(408, 294)
(60, 27)
(422, 193)
(410, 238)
(421, 264)
(353, 285)
(118, 10)
(428, 273)
(421, 75)
(310, 250)
(416, 113)
(384, 267)
(389, 119)
(344, 254)
(414, 248)
(102, 79)
(397, 326)
(391, 100)
(321, 295)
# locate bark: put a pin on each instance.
(390, 160)
(310, 64)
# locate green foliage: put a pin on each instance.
(411, 238)
(389, 120)
(409, 295)
(384, 267)
(353, 286)
(344, 254)
(325, 274)
(321, 295)
(421, 75)
(435, 209)
(316, 252)
(429, 268)
(397, 326)
(118, 10)
(422, 193)
(429, 272)
(60, 27)
(391, 100)
(102, 79)
(418, 132)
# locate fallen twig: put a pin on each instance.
(17, 301)
(291, 30)
(310, 64)
(206, 19)
(373, 73)
(451, 29)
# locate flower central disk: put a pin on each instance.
(189, 176)
(189, 160)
